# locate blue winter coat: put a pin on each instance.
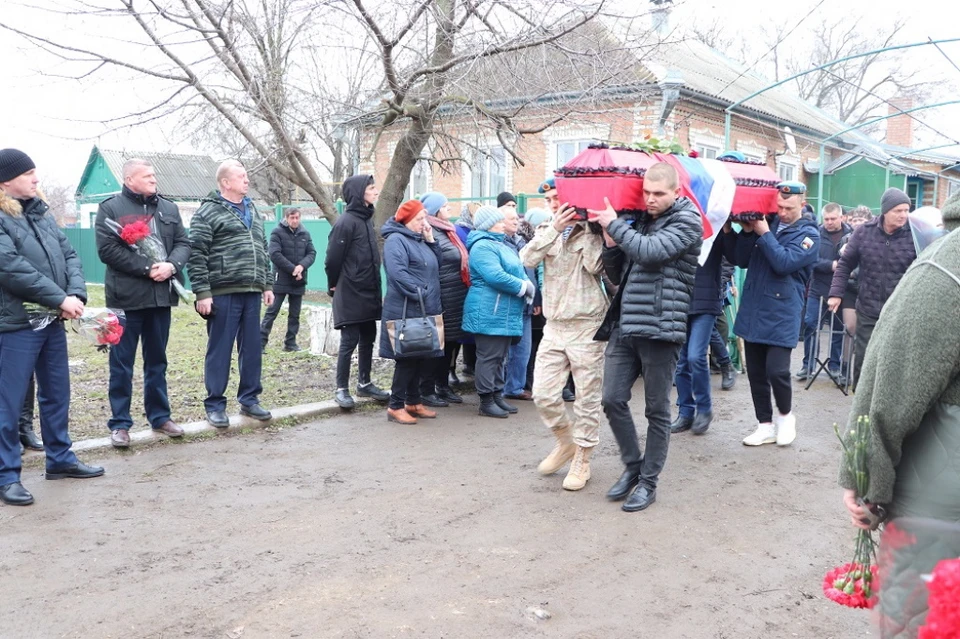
(496, 279)
(413, 270)
(517, 243)
(778, 269)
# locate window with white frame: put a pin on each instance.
(787, 171)
(751, 157)
(953, 189)
(566, 150)
(708, 151)
(488, 172)
(419, 180)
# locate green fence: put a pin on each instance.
(84, 242)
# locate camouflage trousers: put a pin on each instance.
(568, 347)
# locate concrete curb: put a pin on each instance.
(303, 412)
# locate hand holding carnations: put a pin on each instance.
(71, 307)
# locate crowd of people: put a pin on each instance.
(554, 306)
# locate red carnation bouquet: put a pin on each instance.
(943, 602)
(99, 326)
(141, 236)
(855, 584)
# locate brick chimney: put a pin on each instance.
(900, 127)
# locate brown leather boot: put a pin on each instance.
(561, 454)
(419, 410)
(579, 473)
(400, 416)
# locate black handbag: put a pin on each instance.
(415, 336)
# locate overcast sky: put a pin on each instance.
(57, 121)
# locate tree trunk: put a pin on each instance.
(405, 157)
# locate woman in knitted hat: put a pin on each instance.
(454, 280)
(410, 259)
(883, 249)
(493, 311)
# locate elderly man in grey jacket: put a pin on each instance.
(653, 255)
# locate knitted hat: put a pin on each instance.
(536, 217)
(504, 198)
(14, 163)
(408, 210)
(892, 198)
(433, 202)
(951, 212)
(486, 217)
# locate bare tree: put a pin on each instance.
(289, 80)
(59, 198)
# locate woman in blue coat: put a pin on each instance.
(493, 312)
(410, 259)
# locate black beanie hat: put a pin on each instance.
(14, 163)
(892, 198)
(505, 197)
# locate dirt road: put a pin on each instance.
(353, 527)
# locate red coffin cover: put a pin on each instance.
(616, 174)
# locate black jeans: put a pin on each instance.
(293, 319)
(865, 326)
(768, 367)
(357, 337)
(491, 354)
(625, 360)
(436, 369)
(405, 389)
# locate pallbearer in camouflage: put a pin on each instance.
(574, 304)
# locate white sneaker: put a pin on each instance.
(766, 433)
(786, 429)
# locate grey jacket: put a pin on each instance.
(655, 261)
(37, 263)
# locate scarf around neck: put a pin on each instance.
(451, 232)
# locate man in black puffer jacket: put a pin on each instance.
(37, 266)
(142, 288)
(292, 253)
(654, 258)
(883, 249)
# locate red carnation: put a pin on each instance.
(943, 618)
(693, 154)
(851, 585)
(135, 232)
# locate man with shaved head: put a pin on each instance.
(143, 289)
(229, 272)
(653, 254)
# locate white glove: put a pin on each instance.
(528, 290)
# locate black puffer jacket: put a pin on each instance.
(288, 249)
(37, 263)
(829, 253)
(655, 261)
(883, 259)
(353, 259)
(708, 285)
(453, 291)
(127, 283)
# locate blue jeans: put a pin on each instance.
(517, 360)
(810, 328)
(236, 319)
(151, 328)
(693, 370)
(21, 353)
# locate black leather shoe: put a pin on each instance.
(701, 423)
(256, 411)
(452, 378)
(434, 401)
(681, 424)
(499, 401)
(489, 408)
(76, 471)
(343, 399)
(292, 349)
(569, 395)
(628, 480)
(29, 439)
(218, 419)
(641, 498)
(373, 391)
(15, 495)
(446, 393)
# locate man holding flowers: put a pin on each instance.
(143, 289)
